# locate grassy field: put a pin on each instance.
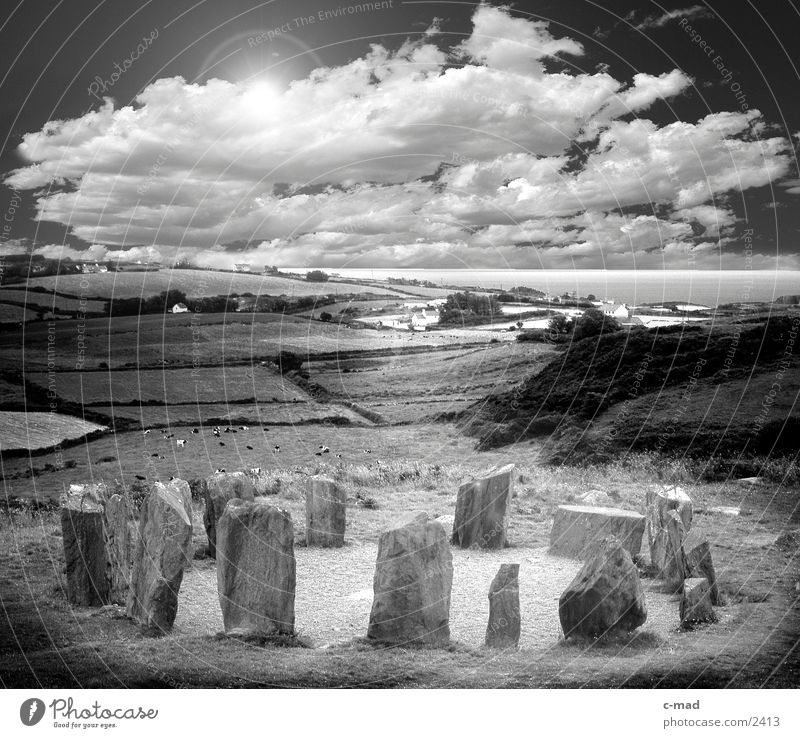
(40, 430)
(43, 301)
(173, 386)
(123, 456)
(195, 284)
(15, 313)
(249, 413)
(215, 338)
(405, 388)
(753, 644)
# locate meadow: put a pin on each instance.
(47, 301)
(32, 430)
(196, 283)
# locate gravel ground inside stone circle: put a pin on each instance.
(334, 595)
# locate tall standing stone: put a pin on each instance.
(219, 489)
(84, 545)
(481, 510)
(413, 581)
(605, 596)
(673, 570)
(697, 556)
(256, 569)
(163, 549)
(118, 548)
(660, 502)
(326, 513)
(503, 628)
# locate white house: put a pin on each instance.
(614, 310)
(179, 307)
(241, 267)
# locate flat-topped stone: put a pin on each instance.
(577, 529)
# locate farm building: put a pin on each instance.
(615, 311)
(88, 268)
(241, 267)
(179, 307)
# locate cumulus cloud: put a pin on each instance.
(476, 155)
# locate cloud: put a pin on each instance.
(660, 20)
(419, 156)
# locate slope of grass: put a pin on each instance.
(594, 375)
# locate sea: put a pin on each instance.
(709, 288)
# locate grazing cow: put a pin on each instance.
(227, 430)
(276, 448)
(221, 443)
(140, 477)
(243, 427)
(195, 431)
(216, 434)
(155, 456)
(181, 442)
(249, 448)
(256, 470)
(338, 456)
(219, 471)
(146, 431)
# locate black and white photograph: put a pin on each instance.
(402, 346)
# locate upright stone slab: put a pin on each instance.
(413, 580)
(578, 529)
(256, 569)
(326, 513)
(503, 628)
(697, 556)
(118, 548)
(84, 545)
(673, 570)
(660, 502)
(481, 510)
(219, 489)
(606, 595)
(695, 604)
(163, 549)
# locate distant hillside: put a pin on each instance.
(693, 392)
(194, 283)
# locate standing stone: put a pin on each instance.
(84, 545)
(503, 628)
(219, 488)
(163, 548)
(256, 569)
(325, 513)
(481, 510)
(695, 604)
(673, 570)
(697, 556)
(578, 529)
(413, 580)
(660, 502)
(605, 596)
(118, 554)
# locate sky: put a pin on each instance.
(557, 135)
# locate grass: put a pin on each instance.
(194, 283)
(42, 301)
(34, 430)
(201, 339)
(173, 386)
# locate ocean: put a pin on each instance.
(710, 288)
